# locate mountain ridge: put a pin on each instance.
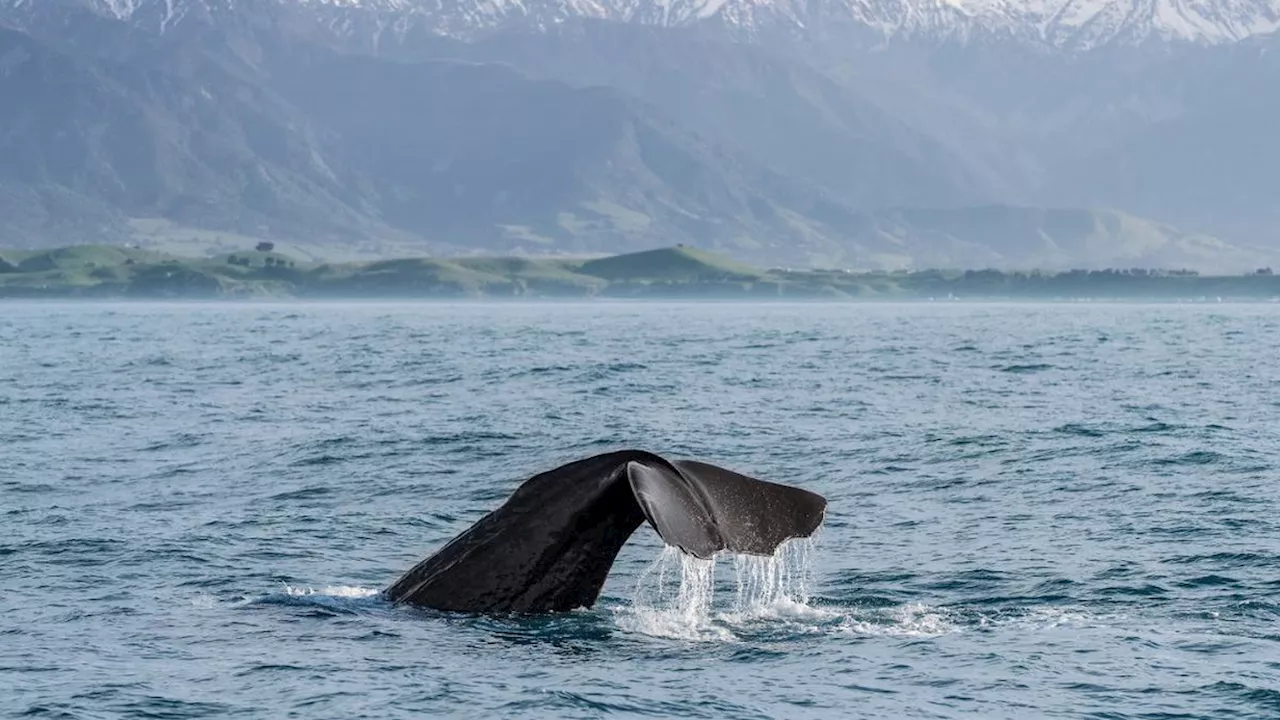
(335, 123)
(1067, 24)
(442, 155)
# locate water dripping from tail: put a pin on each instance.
(776, 586)
(675, 596)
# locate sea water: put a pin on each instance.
(1061, 511)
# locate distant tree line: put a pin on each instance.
(991, 274)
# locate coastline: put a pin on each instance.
(97, 273)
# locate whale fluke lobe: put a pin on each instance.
(551, 545)
(703, 509)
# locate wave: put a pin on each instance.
(326, 601)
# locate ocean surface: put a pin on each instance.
(1041, 510)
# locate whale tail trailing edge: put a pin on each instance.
(551, 545)
(703, 509)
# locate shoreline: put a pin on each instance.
(98, 273)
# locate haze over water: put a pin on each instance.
(1064, 511)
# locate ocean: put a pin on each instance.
(1036, 510)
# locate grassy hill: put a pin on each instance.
(105, 271)
(677, 264)
(108, 270)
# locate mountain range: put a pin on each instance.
(1078, 24)
(854, 133)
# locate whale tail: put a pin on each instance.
(703, 509)
(550, 546)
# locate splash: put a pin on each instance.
(675, 596)
(775, 584)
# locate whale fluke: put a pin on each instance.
(549, 547)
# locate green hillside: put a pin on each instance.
(679, 264)
(673, 272)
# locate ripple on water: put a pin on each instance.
(1036, 511)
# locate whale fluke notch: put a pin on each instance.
(551, 545)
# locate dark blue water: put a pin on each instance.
(1035, 511)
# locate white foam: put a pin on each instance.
(915, 620)
(341, 591)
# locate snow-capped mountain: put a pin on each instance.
(1075, 24)
(606, 124)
